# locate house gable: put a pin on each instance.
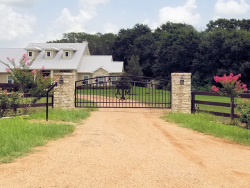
(100, 72)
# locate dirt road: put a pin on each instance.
(131, 148)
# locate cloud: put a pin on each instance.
(17, 2)
(14, 25)
(231, 7)
(78, 23)
(181, 14)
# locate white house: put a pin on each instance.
(62, 57)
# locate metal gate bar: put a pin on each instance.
(121, 92)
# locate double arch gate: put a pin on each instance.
(122, 92)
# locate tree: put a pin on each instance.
(133, 68)
(221, 51)
(127, 39)
(99, 44)
(231, 87)
(178, 45)
(228, 25)
(31, 82)
(145, 47)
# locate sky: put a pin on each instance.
(39, 21)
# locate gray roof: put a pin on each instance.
(80, 61)
(58, 62)
(93, 63)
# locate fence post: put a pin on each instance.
(181, 92)
(193, 102)
(232, 109)
(52, 100)
(47, 101)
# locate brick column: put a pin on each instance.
(181, 94)
(64, 93)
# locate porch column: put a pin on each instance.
(52, 74)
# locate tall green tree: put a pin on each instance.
(130, 42)
(178, 46)
(133, 67)
(231, 24)
(145, 47)
(99, 44)
(222, 52)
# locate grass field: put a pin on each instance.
(20, 135)
(209, 124)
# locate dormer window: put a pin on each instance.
(30, 54)
(48, 54)
(68, 53)
(33, 52)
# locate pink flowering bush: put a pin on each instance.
(231, 87)
(31, 82)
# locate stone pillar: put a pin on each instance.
(181, 94)
(64, 93)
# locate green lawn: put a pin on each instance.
(19, 135)
(209, 124)
(75, 115)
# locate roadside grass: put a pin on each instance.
(75, 115)
(209, 124)
(18, 135)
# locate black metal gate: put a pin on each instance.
(122, 92)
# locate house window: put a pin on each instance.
(113, 80)
(45, 73)
(100, 80)
(10, 79)
(66, 54)
(30, 54)
(48, 54)
(86, 79)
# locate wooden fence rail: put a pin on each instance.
(15, 87)
(194, 102)
(12, 87)
(37, 104)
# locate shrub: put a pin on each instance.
(31, 82)
(244, 110)
(8, 102)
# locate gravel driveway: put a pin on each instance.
(131, 148)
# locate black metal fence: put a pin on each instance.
(122, 92)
